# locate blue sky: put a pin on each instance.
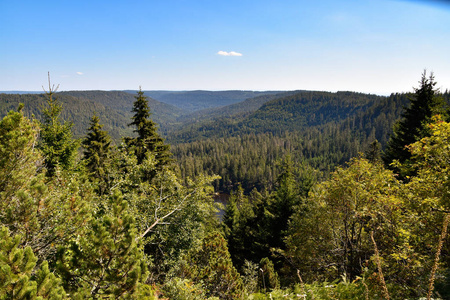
(378, 46)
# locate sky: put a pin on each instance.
(369, 46)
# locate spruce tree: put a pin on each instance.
(148, 139)
(57, 145)
(97, 153)
(424, 103)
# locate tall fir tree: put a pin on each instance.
(56, 143)
(424, 103)
(148, 139)
(97, 153)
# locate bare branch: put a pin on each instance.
(159, 220)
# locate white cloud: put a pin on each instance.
(80, 73)
(231, 53)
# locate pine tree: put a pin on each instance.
(106, 262)
(44, 212)
(17, 266)
(425, 103)
(57, 145)
(211, 264)
(97, 153)
(18, 154)
(148, 139)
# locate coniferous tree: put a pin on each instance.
(148, 139)
(211, 264)
(97, 151)
(268, 277)
(18, 155)
(107, 261)
(57, 145)
(373, 152)
(284, 199)
(425, 103)
(17, 266)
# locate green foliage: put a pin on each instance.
(113, 108)
(44, 212)
(17, 266)
(106, 261)
(255, 226)
(244, 149)
(147, 140)
(342, 290)
(56, 143)
(373, 152)
(183, 289)
(171, 217)
(250, 273)
(97, 154)
(333, 231)
(425, 103)
(18, 156)
(268, 279)
(127, 226)
(210, 264)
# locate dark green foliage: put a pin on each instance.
(56, 143)
(224, 146)
(424, 103)
(97, 151)
(148, 139)
(268, 278)
(373, 152)
(256, 226)
(284, 201)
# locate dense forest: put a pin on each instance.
(329, 196)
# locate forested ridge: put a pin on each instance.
(191, 101)
(316, 209)
(321, 130)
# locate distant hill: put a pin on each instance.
(20, 92)
(75, 110)
(112, 107)
(191, 101)
(120, 101)
(287, 112)
(316, 129)
(246, 106)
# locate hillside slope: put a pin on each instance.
(191, 101)
(112, 107)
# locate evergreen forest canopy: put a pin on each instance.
(330, 196)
